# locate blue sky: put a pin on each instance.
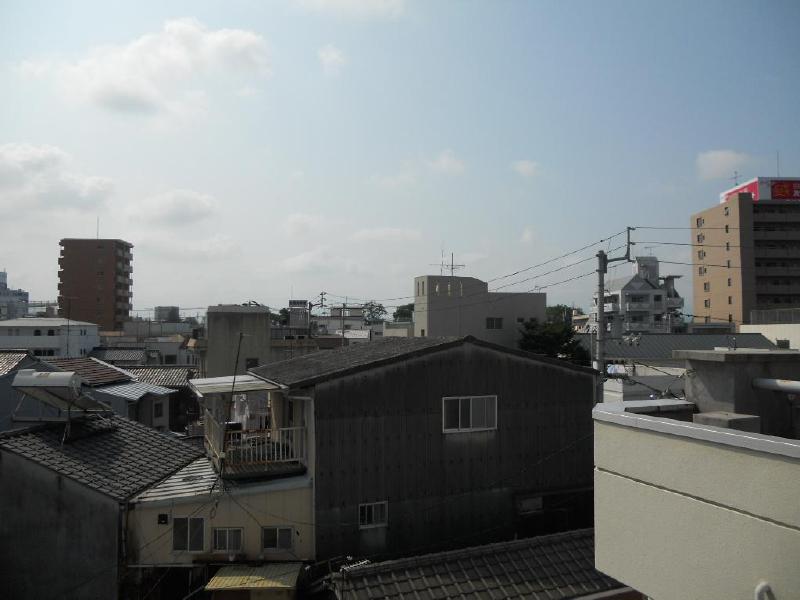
(256, 150)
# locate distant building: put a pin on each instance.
(13, 303)
(458, 306)
(167, 314)
(640, 303)
(781, 326)
(95, 281)
(225, 323)
(746, 251)
(54, 337)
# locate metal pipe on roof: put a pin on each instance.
(788, 386)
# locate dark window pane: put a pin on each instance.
(196, 535)
(451, 413)
(285, 538)
(465, 413)
(479, 413)
(220, 539)
(180, 534)
(491, 411)
(270, 537)
(235, 539)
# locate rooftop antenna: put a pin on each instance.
(444, 266)
(735, 177)
(778, 161)
(649, 250)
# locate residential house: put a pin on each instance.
(552, 567)
(50, 337)
(12, 361)
(458, 306)
(706, 509)
(183, 406)
(66, 491)
(419, 442)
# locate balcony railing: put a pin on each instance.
(256, 447)
(638, 305)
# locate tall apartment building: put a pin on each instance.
(95, 281)
(458, 306)
(746, 251)
(13, 303)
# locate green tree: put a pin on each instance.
(283, 316)
(556, 340)
(374, 312)
(405, 312)
(560, 313)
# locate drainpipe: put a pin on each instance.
(763, 591)
(788, 386)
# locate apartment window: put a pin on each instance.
(699, 221)
(706, 286)
(707, 303)
(421, 333)
(51, 332)
(520, 319)
(701, 238)
(187, 534)
(730, 299)
(469, 413)
(701, 270)
(730, 318)
(374, 514)
(158, 410)
(701, 254)
(423, 288)
(37, 332)
(494, 323)
(276, 538)
(726, 229)
(730, 281)
(228, 539)
(727, 211)
(727, 246)
(729, 263)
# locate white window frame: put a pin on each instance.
(227, 531)
(461, 429)
(369, 522)
(277, 547)
(189, 520)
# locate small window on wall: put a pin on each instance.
(276, 538)
(158, 410)
(187, 534)
(228, 539)
(494, 323)
(374, 514)
(469, 413)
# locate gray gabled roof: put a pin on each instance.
(9, 359)
(170, 376)
(661, 345)
(321, 366)
(621, 283)
(134, 390)
(551, 567)
(116, 457)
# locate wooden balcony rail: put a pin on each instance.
(287, 444)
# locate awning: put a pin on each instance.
(224, 385)
(271, 576)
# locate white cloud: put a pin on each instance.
(447, 163)
(173, 248)
(303, 224)
(40, 176)
(321, 259)
(397, 180)
(355, 9)
(387, 234)
(526, 168)
(720, 164)
(332, 60)
(157, 72)
(175, 207)
(527, 236)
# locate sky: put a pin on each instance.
(271, 150)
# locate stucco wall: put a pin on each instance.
(285, 502)
(775, 332)
(58, 539)
(677, 517)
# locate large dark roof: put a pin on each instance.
(120, 354)
(659, 346)
(94, 372)
(9, 359)
(327, 364)
(171, 376)
(551, 567)
(116, 457)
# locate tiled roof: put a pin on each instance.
(94, 372)
(9, 359)
(120, 354)
(134, 390)
(328, 364)
(171, 376)
(277, 576)
(195, 479)
(551, 567)
(659, 346)
(118, 460)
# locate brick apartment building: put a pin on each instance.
(746, 251)
(95, 281)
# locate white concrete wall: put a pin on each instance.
(79, 344)
(773, 332)
(709, 516)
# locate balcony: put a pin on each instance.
(610, 307)
(695, 511)
(638, 306)
(792, 235)
(761, 252)
(776, 217)
(777, 289)
(634, 326)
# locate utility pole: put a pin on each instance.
(602, 269)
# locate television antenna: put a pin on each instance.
(444, 266)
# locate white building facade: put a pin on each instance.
(640, 303)
(457, 306)
(53, 337)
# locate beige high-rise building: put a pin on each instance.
(746, 252)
